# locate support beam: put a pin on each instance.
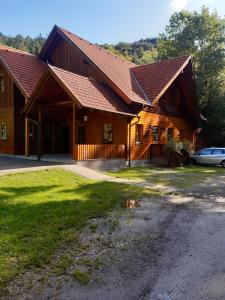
(27, 134)
(74, 133)
(27, 137)
(39, 129)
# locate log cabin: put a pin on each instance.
(76, 98)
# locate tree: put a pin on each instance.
(201, 35)
(28, 44)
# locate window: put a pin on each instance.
(170, 133)
(155, 131)
(3, 131)
(2, 84)
(107, 133)
(218, 151)
(206, 152)
(181, 135)
(139, 133)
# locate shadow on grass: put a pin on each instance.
(181, 177)
(35, 219)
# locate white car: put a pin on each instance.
(209, 156)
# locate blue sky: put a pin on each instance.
(101, 21)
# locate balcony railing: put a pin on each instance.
(101, 151)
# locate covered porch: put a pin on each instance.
(58, 124)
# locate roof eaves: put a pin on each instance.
(171, 80)
(13, 75)
(48, 41)
(35, 92)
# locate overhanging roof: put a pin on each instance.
(24, 68)
(85, 92)
(157, 77)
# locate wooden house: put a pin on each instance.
(77, 98)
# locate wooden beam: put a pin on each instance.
(39, 147)
(27, 134)
(59, 103)
(27, 137)
(74, 132)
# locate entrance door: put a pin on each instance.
(65, 139)
(81, 134)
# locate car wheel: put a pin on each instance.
(192, 161)
(223, 163)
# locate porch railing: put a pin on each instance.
(101, 151)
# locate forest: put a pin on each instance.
(199, 34)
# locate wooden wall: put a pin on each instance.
(148, 119)
(95, 123)
(19, 121)
(69, 58)
(7, 114)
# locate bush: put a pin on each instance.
(177, 152)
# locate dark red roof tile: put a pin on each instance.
(153, 78)
(115, 68)
(90, 93)
(26, 68)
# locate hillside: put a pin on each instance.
(142, 51)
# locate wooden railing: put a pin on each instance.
(102, 151)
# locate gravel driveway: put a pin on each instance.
(171, 247)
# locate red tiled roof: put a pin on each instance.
(155, 78)
(25, 68)
(90, 93)
(115, 68)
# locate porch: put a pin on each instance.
(73, 115)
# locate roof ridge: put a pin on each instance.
(100, 48)
(8, 48)
(161, 61)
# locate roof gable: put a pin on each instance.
(115, 70)
(157, 77)
(86, 92)
(25, 69)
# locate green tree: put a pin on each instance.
(201, 35)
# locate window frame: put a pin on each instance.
(2, 83)
(139, 134)
(170, 133)
(105, 140)
(155, 135)
(3, 131)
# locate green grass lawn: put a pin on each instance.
(39, 210)
(181, 177)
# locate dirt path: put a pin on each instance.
(170, 248)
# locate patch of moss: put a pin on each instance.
(82, 277)
(63, 264)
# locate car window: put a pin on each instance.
(218, 151)
(206, 151)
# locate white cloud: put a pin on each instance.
(178, 5)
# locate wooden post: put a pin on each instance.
(27, 137)
(74, 132)
(39, 133)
